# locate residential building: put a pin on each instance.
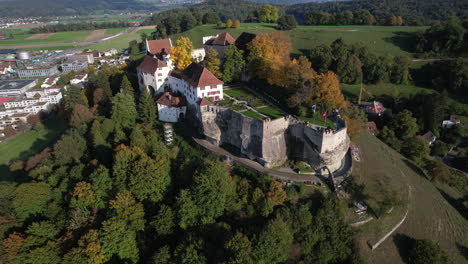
(74, 66)
(153, 73)
(110, 52)
(220, 43)
(171, 108)
(84, 57)
(4, 69)
(13, 120)
(453, 121)
(50, 81)
(79, 79)
(159, 47)
(36, 71)
(196, 82)
(430, 137)
(15, 87)
(373, 108)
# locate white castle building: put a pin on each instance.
(156, 73)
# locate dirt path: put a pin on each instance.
(96, 35)
(41, 36)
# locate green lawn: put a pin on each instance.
(121, 42)
(382, 40)
(351, 91)
(272, 112)
(241, 94)
(252, 114)
(50, 48)
(113, 31)
(59, 37)
(29, 143)
(384, 172)
(318, 120)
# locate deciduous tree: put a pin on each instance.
(233, 64)
(31, 199)
(181, 53)
(80, 115)
(229, 23)
(213, 63)
(328, 89)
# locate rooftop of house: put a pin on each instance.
(197, 76)
(222, 39)
(51, 79)
(20, 115)
(169, 99)
(158, 46)
(5, 99)
(3, 67)
(429, 136)
(203, 102)
(150, 64)
(244, 39)
(14, 84)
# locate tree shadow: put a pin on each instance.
(404, 40)
(463, 250)
(415, 168)
(404, 245)
(455, 203)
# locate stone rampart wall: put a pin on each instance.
(272, 142)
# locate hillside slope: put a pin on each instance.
(430, 215)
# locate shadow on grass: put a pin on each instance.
(54, 130)
(455, 203)
(404, 244)
(415, 168)
(404, 40)
(463, 250)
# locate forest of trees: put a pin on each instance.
(78, 26)
(110, 191)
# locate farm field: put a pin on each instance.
(121, 42)
(430, 215)
(50, 40)
(395, 41)
(29, 143)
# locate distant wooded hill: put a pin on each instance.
(35, 8)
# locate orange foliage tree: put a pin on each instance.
(269, 53)
(327, 89)
(276, 193)
(12, 246)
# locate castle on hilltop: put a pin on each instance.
(272, 142)
(189, 95)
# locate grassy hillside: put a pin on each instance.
(121, 42)
(431, 216)
(382, 40)
(29, 143)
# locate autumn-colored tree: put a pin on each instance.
(16, 165)
(12, 246)
(269, 53)
(92, 247)
(80, 115)
(33, 161)
(353, 127)
(328, 90)
(229, 23)
(236, 24)
(276, 193)
(35, 122)
(213, 63)
(181, 53)
(9, 131)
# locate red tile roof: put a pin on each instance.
(203, 102)
(223, 39)
(150, 64)
(3, 67)
(170, 100)
(5, 99)
(155, 47)
(198, 76)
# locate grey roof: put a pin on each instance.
(14, 84)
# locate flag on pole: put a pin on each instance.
(313, 108)
(324, 115)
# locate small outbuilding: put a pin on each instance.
(171, 108)
(430, 137)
